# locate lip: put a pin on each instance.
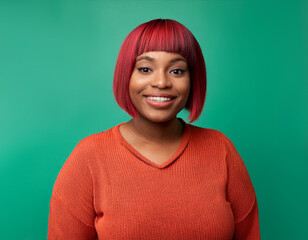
(159, 105)
(159, 95)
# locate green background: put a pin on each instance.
(56, 67)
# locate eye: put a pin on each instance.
(144, 69)
(178, 71)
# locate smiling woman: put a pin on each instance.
(161, 35)
(156, 176)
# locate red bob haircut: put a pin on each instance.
(161, 35)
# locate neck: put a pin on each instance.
(156, 132)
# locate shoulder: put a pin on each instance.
(211, 137)
(83, 157)
(96, 141)
(95, 138)
(89, 149)
(208, 133)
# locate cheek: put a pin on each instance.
(132, 86)
(136, 84)
(135, 89)
(184, 88)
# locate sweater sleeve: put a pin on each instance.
(242, 197)
(72, 213)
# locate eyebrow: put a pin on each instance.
(177, 60)
(152, 59)
(145, 58)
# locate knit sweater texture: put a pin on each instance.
(108, 190)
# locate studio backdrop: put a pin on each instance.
(57, 59)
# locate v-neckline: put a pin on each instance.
(175, 156)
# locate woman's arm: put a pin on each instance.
(63, 224)
(72, 213)
(242, 197)
(248, 227)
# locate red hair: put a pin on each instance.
(161, 35)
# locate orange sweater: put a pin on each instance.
(107, 190)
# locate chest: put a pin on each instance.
(172, 203)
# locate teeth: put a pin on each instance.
(159, 99)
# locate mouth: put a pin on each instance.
(159, 99)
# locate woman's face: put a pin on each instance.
(159, 85)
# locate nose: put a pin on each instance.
(161, 80)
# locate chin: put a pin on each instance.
(159, 118)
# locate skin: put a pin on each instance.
(156, 133)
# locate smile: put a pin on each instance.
(160, 102)
(160, 99)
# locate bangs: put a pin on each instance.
(166, 35)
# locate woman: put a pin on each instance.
(156, 177)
